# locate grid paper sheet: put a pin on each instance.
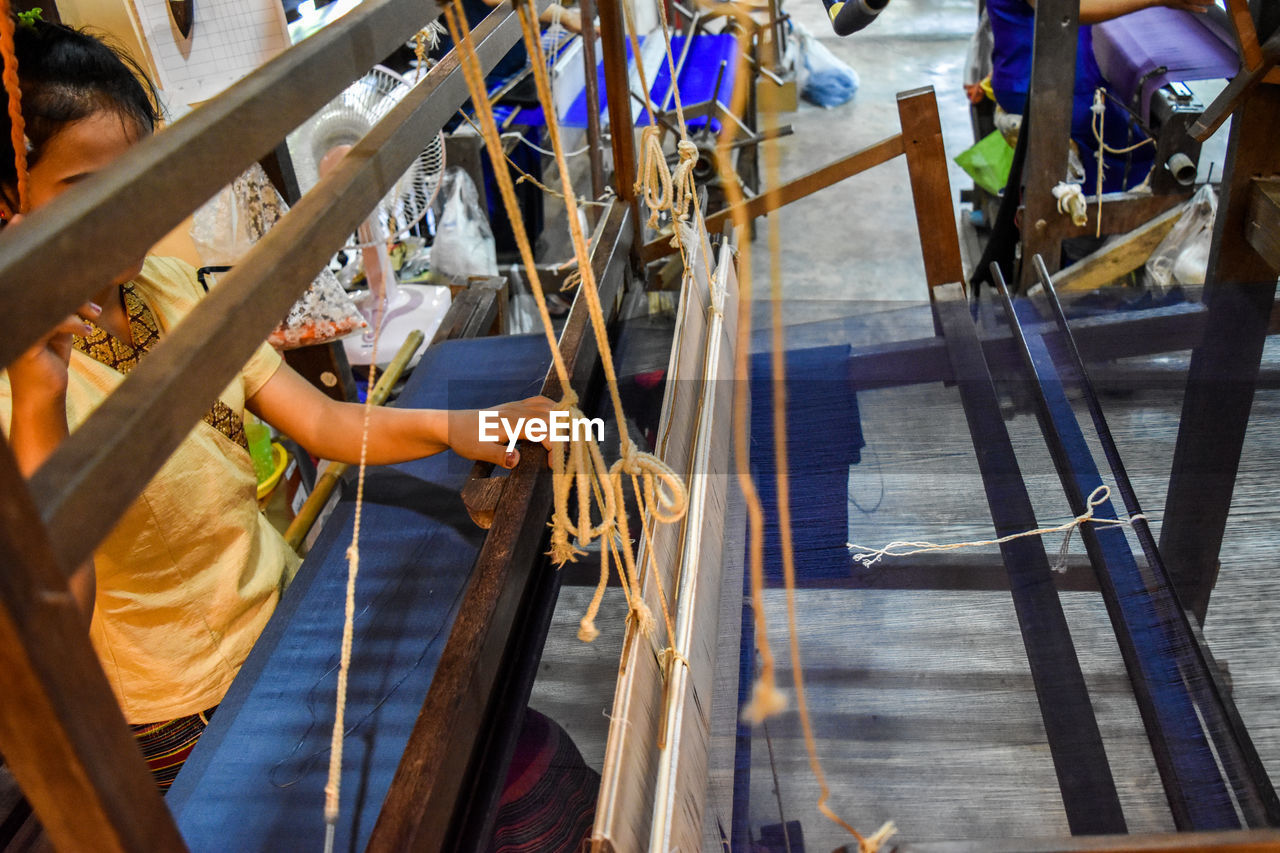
(229, 39)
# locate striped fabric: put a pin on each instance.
(166, 745)
(548, 802)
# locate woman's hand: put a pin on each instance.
(40, 373)
(488, 441)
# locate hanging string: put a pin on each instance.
(576, 468)
(13, 91)
(660, 494)
(869, 556)
(1097, 122)
(766, 699)
(333, 787)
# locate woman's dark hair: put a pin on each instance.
(67, 75)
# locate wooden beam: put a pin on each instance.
(1075, 744)
(1246, 35)
(128, 438)
(1047, 121)
(806, 185)
(1262, 227)
(432, 780)
(61, 731)
(1239, 292)
(1230, 98)
(617, 86)
(161, 180)
(1117, 258)
(930, 187)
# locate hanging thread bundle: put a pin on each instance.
(577, 466)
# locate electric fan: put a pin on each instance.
(318, 143)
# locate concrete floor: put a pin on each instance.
(922, 701)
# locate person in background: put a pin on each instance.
(1013, 30)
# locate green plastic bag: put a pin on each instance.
(988, 162)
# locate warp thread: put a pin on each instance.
(869, 556)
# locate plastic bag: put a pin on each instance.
(464, 244)
(988, 162)
(522, 310)
(823, 78)
(1183, 255)
(228, 225)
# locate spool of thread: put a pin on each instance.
(849, 16)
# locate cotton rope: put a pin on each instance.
(870, 556)
(12, 88)
(663, 505)
(1097, 123)
(333, 787)
(575, 466)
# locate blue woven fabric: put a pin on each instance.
(255, 780)
(824, 438)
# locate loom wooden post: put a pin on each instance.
(61, 731)
(930, 187)
(1049, 124)
(617, 85)
(594, 136)
(1240, 291)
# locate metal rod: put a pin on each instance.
(1254, 789)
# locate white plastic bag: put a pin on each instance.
(1183, 255)
(823, 78)
(464, 243)
(225, 229)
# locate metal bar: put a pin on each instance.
(595, 150)
(1170, 690)
(132, 433)
(859, 161)
(61, 729)
(1239, 292)
(1253, 789)
(102, 227)
(428, 787)
(1075, 743)
(617, 85)
(1053, 60)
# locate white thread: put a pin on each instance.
(870, 556)
(1097, 122)
(1071, 201)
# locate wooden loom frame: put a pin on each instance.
(61, 731)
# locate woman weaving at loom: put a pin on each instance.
(1013, 31)
(179, 592)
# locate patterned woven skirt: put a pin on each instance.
(549, 799)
